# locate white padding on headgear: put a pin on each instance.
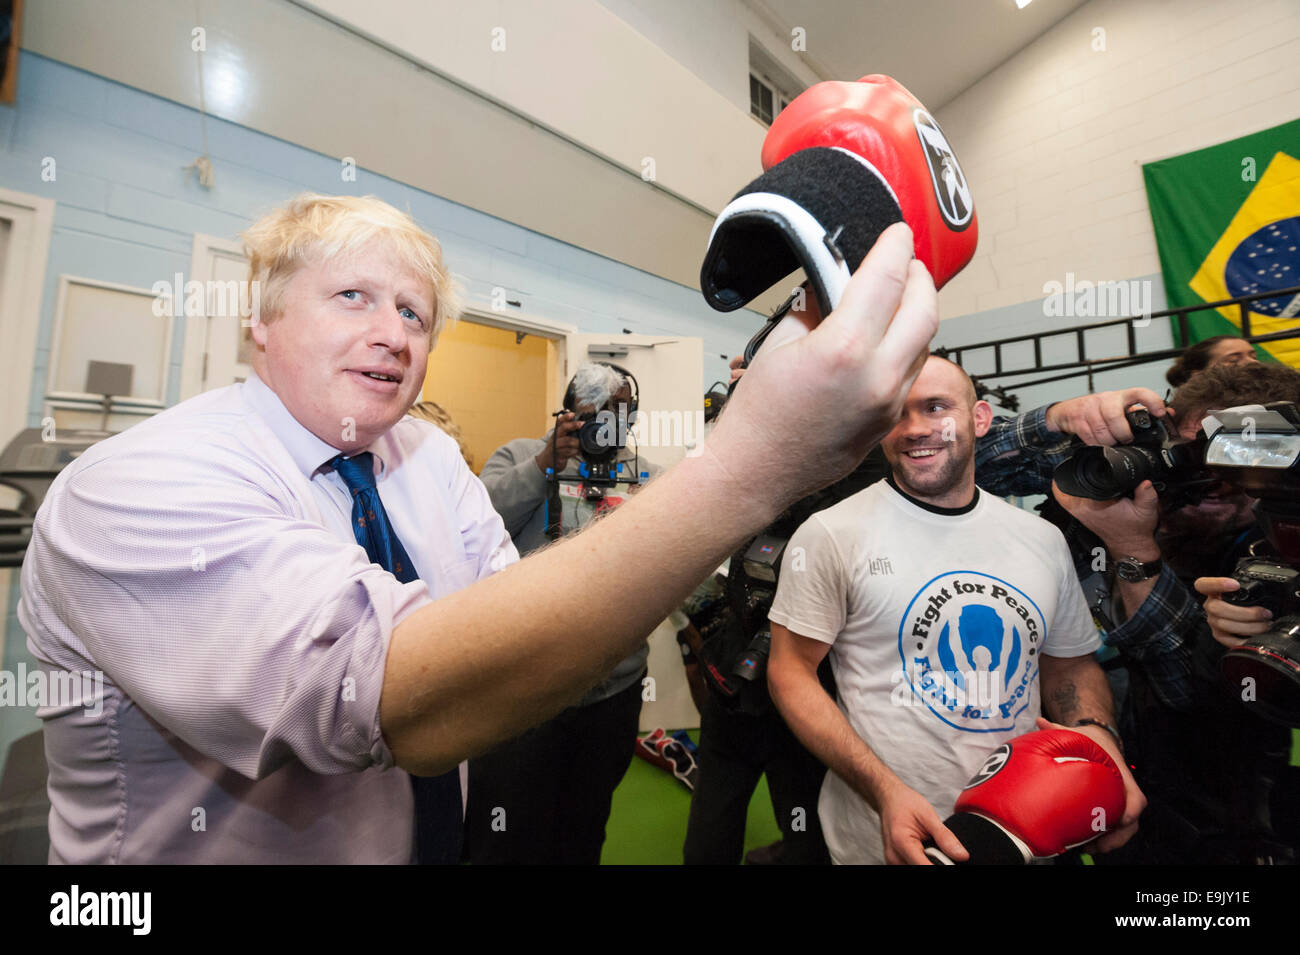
(800, 227)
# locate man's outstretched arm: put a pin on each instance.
(481, 665)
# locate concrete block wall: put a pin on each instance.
(1053, 143)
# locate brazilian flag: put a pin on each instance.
(1227, 223)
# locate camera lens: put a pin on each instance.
(1269, 667)
(1103, 474)
(1095, 471)
(598, 439)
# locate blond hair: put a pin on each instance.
(436, 413)
(312, 228)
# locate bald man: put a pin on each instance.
(953, 621)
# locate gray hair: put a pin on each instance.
(595, 384)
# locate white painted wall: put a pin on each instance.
(1053, 141)
(580, 70)
(711, 39)
(549, 134)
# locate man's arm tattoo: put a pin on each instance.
(1064, 701)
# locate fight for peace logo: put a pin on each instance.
(969, 645)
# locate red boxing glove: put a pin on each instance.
(879, 120)
(843, 162)
(1035, 797)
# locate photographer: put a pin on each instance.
(1180, 713)
(556, 781)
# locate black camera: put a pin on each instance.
(1258, 450)
(1267, 584)
(735, 657)
(602, 435)
(1269, 664)
(1157, 453)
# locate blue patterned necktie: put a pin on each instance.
(437, 799)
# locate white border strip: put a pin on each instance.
(800, 224)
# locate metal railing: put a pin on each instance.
(1083, 365)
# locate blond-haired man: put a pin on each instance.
(206, 561)
(268, 684)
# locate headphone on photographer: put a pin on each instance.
(570, 396)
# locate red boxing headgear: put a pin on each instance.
(842, 163)
(879, 120)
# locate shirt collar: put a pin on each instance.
(935, 508)
(309, 452)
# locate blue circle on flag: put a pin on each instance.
(1265, 260)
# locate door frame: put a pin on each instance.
(32, 223)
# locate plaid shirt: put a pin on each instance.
(1017, 457)
(1162, 636)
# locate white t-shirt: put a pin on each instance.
(936, 622)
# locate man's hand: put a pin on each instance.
(859, 363)
(556, 454)
(1230, 623)
(1099, 419)
(907, 821)
(1134, 800)
(1126, 526)
(737, 366)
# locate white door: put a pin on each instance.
(217, 339)
(669, 372)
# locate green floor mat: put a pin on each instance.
(647, 822)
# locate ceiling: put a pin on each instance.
(936, 48)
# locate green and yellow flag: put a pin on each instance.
(1227, 223)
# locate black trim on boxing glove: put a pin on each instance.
(986, 841)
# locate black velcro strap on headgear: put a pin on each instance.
(757, 241)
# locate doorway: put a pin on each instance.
(497, 384)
